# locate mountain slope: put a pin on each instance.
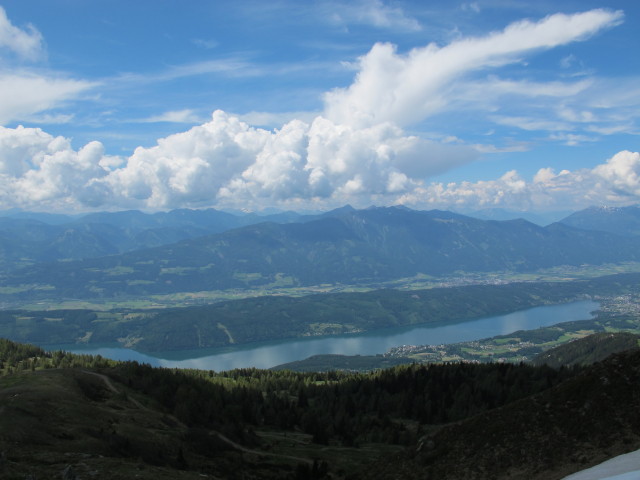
(591, 349)
(617, 220)
(25, 241)
(579, 423)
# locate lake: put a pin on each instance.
(270, 354)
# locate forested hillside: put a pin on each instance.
(591, 349)
(276, 317)
(579, 423)
(105, 419)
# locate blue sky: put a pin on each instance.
(108, 105)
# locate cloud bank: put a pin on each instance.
(356, 151)
(615, 182)
(227, 163)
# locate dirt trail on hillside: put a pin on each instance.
(109, 384)
(237, 446)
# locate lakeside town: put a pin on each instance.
(616, 313)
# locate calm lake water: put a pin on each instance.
(266, 355)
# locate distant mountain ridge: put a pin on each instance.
(540, 218)
(27, 238)
(31, 237)
(346, 246)
(618, 220)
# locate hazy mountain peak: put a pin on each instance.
(618, 220)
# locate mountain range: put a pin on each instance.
(27, 238)
(344, 246)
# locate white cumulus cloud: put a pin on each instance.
(622, 173)
(404, 89)
(227, 161)
(37, 169)
(224, 161)
(615, 182)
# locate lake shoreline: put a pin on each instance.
(277, 352)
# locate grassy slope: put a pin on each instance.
(54, 418)
(51, 419)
